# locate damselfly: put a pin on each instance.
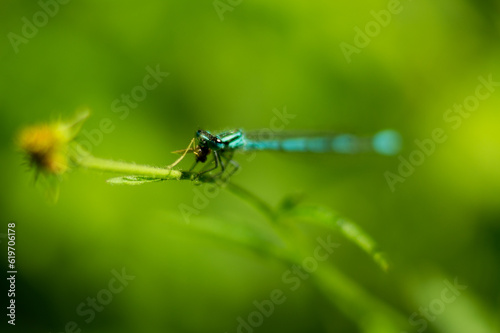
(222, 146)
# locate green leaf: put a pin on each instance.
(324, 217)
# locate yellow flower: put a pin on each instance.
(46, 145)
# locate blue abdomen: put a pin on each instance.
(385, 142)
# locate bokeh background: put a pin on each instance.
(231, 70)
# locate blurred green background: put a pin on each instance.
(441, 223)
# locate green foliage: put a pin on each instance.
(153, 73)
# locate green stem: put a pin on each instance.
(95, 163)
(253, 200)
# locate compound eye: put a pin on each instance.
(203, 136)
(199, 135)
